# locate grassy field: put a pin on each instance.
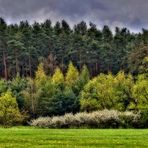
(22, 137)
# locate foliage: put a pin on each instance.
(72, 75)
(140, 92)
(34, 62)
(17, 85)
(49, 96)
(144, 118)
(23, 44)
(58, 77)
(124, 88)
(9, 112)
(84, 77)
(137, 59)
(31, 96)
(56, 101)
(119, 92)
(98, 119)
(40, 76)
(3, 86)
(99, 93)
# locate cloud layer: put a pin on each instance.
(129, 13)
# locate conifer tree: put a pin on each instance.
(58, 77)
(40, 76)
(72, 75)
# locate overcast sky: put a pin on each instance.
(128, 13)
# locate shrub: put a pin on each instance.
(144, 118)
(130, 120)
(41, 122)
(98, 119)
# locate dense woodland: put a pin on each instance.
(24, 46)
(49, 70)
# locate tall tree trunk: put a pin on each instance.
(62, 63)
(96, 68)
(30, 68)
(5, 65)
(16, 62)
(80, 59)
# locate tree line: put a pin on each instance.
(23, 46)
(49, 70)
(72, 92)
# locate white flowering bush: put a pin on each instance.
(97, 119)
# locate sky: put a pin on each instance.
(132, 14)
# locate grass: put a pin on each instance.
(26, 137)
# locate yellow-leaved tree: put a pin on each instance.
(72, 75)
(58, 77)
(35, 90)
(40, 76)
(9, 111)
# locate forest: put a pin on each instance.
(24, 46)
(51, 70)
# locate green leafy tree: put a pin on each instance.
(45, 98)
(84, 78)
(3, 86)
(140, 92)
(17, 85)
(100, 93)
(143, 69)
(31, 96)
(137, 59)
(124, 86)
(9, 111)
(35, 90)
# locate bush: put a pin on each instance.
(130, 120)
(98, 119)
(144, 118)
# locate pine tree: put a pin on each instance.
(3, 46)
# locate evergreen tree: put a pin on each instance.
(3, 46)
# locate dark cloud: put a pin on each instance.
(129, 13)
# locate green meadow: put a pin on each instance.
(28, 137)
